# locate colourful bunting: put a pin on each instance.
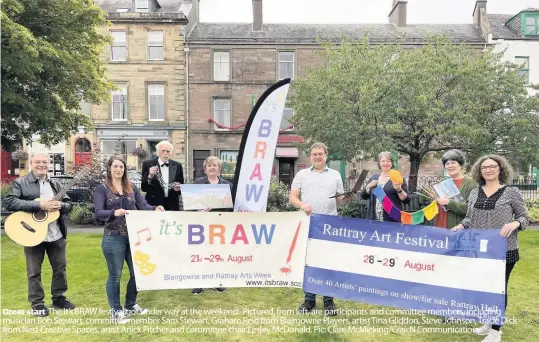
(379, 193)
(429, 212)
(406, 218)
(418, 217)
(386, 203)
(395, 213)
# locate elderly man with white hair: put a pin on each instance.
(161, 178)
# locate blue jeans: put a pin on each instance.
(312, 297)
(116, 249)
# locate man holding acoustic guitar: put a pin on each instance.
(38, 195)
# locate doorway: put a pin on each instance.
(286, 171)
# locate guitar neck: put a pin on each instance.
(60, 195)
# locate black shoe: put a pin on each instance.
(63, 303)
(220, 289)
(196, 291)
(40, 311)
(330, 309)
(307, 306)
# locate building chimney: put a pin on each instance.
(480, 6)
(257, 15)
(397, 16)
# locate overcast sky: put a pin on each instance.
(354, 11)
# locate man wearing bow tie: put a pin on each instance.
(161, 178)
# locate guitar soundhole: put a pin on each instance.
(40, 216)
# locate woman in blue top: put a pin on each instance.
(111, 201)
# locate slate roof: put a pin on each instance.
(242, 33)
(501, 29)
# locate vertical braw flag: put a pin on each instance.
(257, 150)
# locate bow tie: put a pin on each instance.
(164, 164)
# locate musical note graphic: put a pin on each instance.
(149, 238)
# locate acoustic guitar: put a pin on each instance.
(30, 229)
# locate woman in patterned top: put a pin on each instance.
(111, 202)
(397, 193)
(495, 205)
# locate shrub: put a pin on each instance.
(533, 215)
(278, 197)
(4, 189)
(354, 209)
(533, 210)
(81, 214)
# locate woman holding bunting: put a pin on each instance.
(111, 202)
(396, 193)
(453, 162)
(495, 205)
(212, 169)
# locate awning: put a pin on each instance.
(286, 152)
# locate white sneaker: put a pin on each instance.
(484, 330)
(493, 336)
(119, 317)
(136, 310)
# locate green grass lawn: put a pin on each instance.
(87, 276)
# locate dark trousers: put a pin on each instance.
(116, 250)
(508, 268)
(173, 203)
(56, 251)
(312, 297)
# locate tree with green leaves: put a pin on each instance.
(367, 99)
(50, 63)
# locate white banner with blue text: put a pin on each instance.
(431, 270)
(182, 250)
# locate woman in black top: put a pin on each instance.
(212, 169)
(495, 205)
(397, 193)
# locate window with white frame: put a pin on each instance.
(119, 103)
(221, 66)
(221, 113)
(142, 6)
(123, 148)
(156, 102)
(286, 64)
(285, 121)
(118, 49)
(523, 67)
(155, 45)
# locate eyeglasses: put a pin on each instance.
(486, 167)
(318, 154)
